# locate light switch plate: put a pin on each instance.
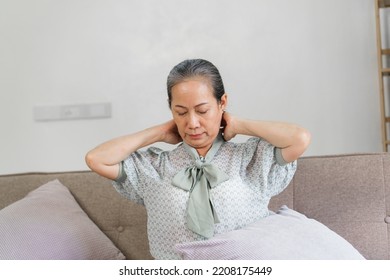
(72, 112)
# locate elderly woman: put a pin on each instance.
(206, 185)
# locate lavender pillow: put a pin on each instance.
(49, 224)
(284, 235)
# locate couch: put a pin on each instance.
(348, 193)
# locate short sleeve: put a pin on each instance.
(261, 168)
(140, 168)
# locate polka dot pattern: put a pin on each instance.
(254, 178)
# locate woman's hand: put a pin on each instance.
(290, 138)
(104, 158)
(227, 125)
(171, 133)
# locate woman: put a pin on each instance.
(206, 185)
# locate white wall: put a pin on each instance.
(312, 62)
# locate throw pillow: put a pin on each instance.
(49, 224)
(284, 235)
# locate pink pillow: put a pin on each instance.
(49, 224)
(285, 235)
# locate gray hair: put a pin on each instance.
(192, 68)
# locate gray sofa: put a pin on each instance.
(348, 193)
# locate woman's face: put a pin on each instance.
(197, 113)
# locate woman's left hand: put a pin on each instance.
(227, 126)
(290, 138)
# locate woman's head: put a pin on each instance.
(197, 100)
(199, 69)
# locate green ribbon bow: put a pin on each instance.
(198, 180)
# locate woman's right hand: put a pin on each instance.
(104, 159)
(171, 133)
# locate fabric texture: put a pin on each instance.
(284, 235)
(198, 180)
(254, 177)
(49, 224)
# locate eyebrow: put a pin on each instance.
(183, 107)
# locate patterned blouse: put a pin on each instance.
(255, 176)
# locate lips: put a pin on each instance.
(195, 136)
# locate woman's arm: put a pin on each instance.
(105, 158)
(290, 138)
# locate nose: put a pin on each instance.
(193, 121)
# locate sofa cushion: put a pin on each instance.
(285, 234)
(49, 224)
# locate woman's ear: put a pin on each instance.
(224, 101)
